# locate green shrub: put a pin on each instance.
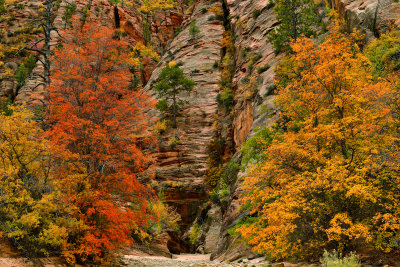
(5, 107)
(219, 17)
(230, 172)
(256, 58)
(270, 4)
(263, 69)
(384, 53)
(256, 13)
(31, 63)
(335, 259)
(21, 74)
(216, 64)
(194, 30)
(219, 195)
(245, 80)
(225, 98)
(3, 8)
(194, 233)
(250, 69)
(174, 141)
(294, 22)
(253, 148)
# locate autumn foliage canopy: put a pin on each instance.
(329, 178)
(94, 114)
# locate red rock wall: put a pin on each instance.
(181, 170)
(360, 14)
(162, 29)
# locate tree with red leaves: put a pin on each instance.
(94, 114)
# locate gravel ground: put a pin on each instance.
(185, 260)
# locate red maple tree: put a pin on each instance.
(94, 114)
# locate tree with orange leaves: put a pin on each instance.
(95, 115)
(327, 182)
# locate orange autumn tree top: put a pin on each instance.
(94, 114)
(322, 185)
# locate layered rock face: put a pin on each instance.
(253, 84)
(15, 32)
(162, 28)
(253, 53)
(181, 168)
(360, 14)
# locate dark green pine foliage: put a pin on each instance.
(3, 8)
(194, 30)
(68, 13)
(170, 84)
(297, 18)
(5, 107)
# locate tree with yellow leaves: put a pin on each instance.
(326, 181)
(149, 8)
(35, 212)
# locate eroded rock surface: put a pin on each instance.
(360, 14)
(162, 29)
(253, 84)
(181, 168)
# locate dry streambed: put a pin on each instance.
(185, 260)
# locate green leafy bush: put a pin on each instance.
(384, 53)
(296, 17)
(253, 148)
(263, 69)
(335, 259)
(256, 13)
(194, 233)
(3, 8)
(174, 141)
(21, 74)
(194, 30)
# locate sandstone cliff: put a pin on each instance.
(18, 28)
(181, 168)
(254, 99)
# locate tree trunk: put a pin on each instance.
(47, 42)
(117, 18)
(375, 30)
(174, 110)
(294, 23)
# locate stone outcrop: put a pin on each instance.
(252, 52)
(253, 84)
(360, 14)
(163, 26)
(181, 168)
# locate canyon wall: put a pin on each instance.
(180, 167)
(18, 29)
(360, 14)
(254, 105)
